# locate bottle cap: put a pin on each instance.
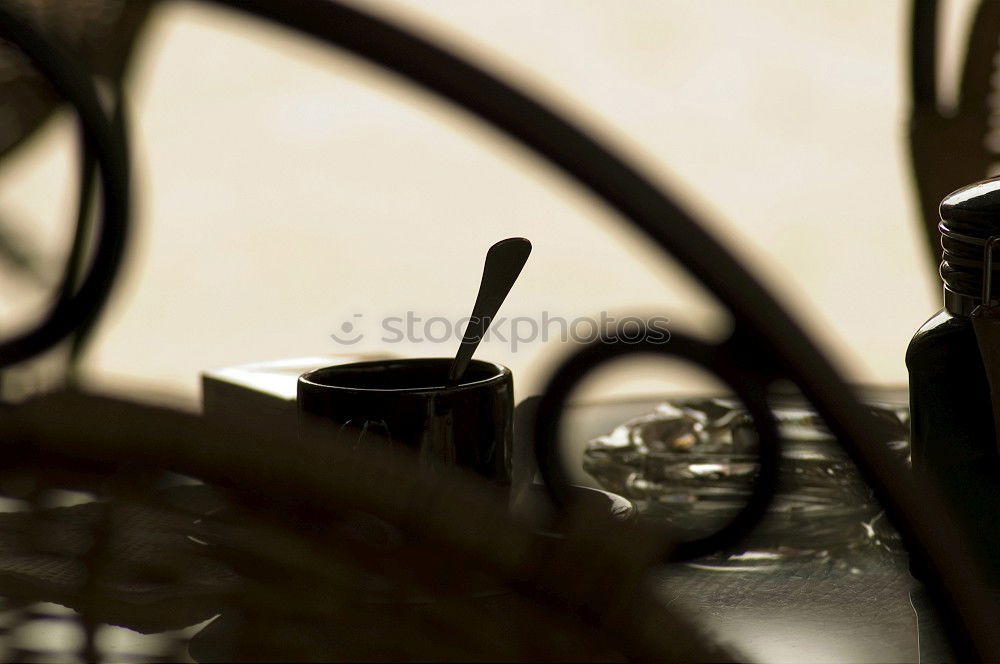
(969, 218)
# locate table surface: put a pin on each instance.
(859, 610)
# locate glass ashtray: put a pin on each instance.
(689, 465)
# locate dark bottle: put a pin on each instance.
(953, 436)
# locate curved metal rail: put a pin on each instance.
(766, 343)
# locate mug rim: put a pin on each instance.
(309, 381)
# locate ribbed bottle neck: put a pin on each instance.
(958, 304)
(970, 218)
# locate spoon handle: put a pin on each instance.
(504, 262)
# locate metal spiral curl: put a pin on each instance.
(761, 323)
(721, 360)
(104, 141)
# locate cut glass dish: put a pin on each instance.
(689, 465)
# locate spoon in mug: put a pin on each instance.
(504, 262)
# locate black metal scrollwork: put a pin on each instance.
(724, 361)
(104, 142)
(777, 340)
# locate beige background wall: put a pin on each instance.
(283, 188)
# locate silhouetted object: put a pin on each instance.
(723, 361)
(101, 33)
(986, 322)
(277, 543)
(766, 345)
(82, 296)
(504, 262)
(952, 145)
(950, 361)
(411, 404)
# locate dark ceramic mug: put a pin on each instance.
(407, 403)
